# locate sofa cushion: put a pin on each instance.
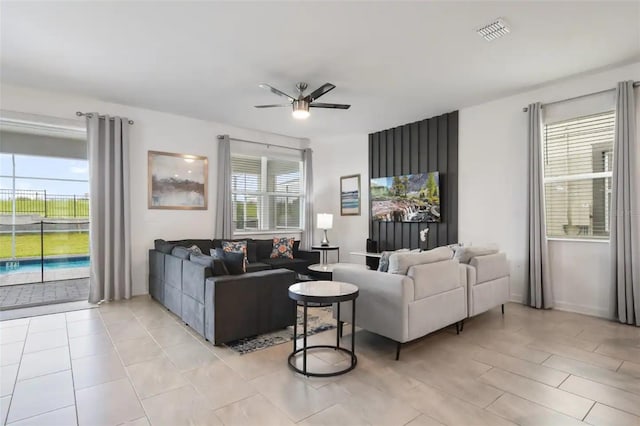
(252, 252)
(235, 262)
(257, 266)
(490, 267)
(181, 252)
(464, 254)
(163, 246)
(399, 263)
(282, 248)
(434, 278)
(298, 265)
(217, 265)
(263, 249)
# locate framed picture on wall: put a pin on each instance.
(177, 181)
(350, 195)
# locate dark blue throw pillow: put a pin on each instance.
(234, 262)
(217, 265)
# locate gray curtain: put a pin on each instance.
(539, 293)
(625, 212)
(109, 207)
(224, 211)
(306, 241)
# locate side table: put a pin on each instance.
(323, 292)
(324, 250)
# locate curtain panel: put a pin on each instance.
(306, 240)
(539, 292)
(109, 208)
(224, 211)
(625, 209)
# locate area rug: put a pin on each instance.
(318, 320)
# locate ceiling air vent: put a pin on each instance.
(494, 30)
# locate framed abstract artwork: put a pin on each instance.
(350, 195)
(177, 181)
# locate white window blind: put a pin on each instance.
(267, 193)
(577, 156)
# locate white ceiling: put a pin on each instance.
(394, 62)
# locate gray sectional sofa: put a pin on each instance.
(223, 308)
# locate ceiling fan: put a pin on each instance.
(302, 103)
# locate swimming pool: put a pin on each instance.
(33, 265)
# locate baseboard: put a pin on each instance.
(571, 307)
(582, 309)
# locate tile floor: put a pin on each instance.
(134, 363)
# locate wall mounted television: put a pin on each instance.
(406, 198)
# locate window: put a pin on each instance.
(577, 176)
(48, 186)
(267, 193)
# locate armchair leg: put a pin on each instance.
(503, 309)
(461, 325)
(458, 327)
(398, 345)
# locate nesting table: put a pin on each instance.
(322, 292)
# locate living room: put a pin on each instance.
(185, 74)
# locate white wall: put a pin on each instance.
(334, 157)
(493, 193)
(152, 131)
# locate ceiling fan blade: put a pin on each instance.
(272, 106)
(327, 87)
(333, 106)
(276, 91)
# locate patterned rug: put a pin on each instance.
(318, 320)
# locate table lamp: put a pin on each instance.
(325, 221)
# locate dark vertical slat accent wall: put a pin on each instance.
(424, 146)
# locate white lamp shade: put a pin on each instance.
(325, 221)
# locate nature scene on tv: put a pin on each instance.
(407, 198)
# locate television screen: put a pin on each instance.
(407, 198)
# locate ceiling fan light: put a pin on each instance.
(300, 114)
(300, 109)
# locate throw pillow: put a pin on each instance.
(234, 262)
(383, 266)
(181, 252)
(163, 246)
(217, 265)
(217, 253)
(235, 247)
(195, 249)
(466, 253)
(399, 263)
(282, 248)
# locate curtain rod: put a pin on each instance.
(635, 84)
(262, 143)
(89, 114)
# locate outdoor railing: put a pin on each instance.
(47, 250)
(30, 201)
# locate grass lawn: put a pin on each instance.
(28, 245)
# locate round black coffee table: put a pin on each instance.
(323, 292)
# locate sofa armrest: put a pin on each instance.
(382, 303)
(193, 278)
(490, 267)
(238, 306)
(311, 256)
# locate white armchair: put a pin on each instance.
(405, 307)
(487, 282)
